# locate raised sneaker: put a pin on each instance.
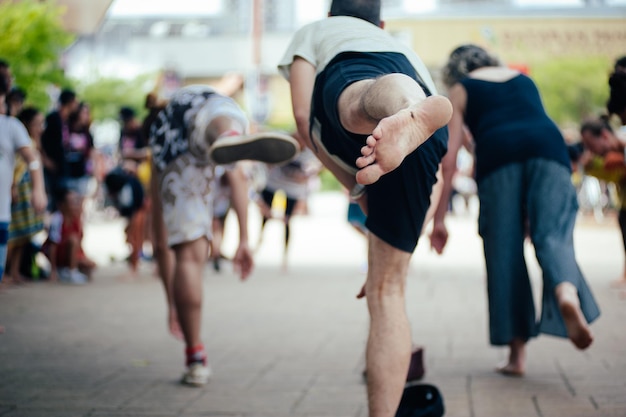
(268, 147)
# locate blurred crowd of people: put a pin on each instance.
(61, 152)
(80, 179)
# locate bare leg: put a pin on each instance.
(217, 226)
(621, 220)
(395, 110)
(86, 266)
(221, 125)
(190, 262)
(266, 214)
(73, 247)
(516, 365)
(16, 260)
(389, 342)
(577, 328)
(135, 234)
(164, 257)
(286, 250)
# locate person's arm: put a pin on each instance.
(456, 132)
(239, 187)
(302, 81)
(51, 143)
(39, 199)
(139, 152)
(135, 154)
(47, 162)
(24, 147)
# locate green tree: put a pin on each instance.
(32, 41)
(105, 96)
(573, 88)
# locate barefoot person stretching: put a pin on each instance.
(365, 105)
(523, 174)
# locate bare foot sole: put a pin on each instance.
(397, 136)
(510, 370)
(577, 329)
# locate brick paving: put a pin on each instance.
(291, 343)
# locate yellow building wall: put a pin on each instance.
(519, 41)
(522, 40)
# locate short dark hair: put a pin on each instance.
(617, 97)
(368, 10)
(127, 113)
(17, 94)
(27, 115)
(596, 126)
(4, 64)
(3, 86)
(67, 96)
(620, 63)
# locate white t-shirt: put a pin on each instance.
(293, 177)
(13, 136)
(319, 42)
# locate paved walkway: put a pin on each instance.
(291, 344)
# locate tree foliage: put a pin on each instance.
(32, 41)
(106, 96)
(573, 88)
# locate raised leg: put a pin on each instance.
(396, 113)
(578, 330)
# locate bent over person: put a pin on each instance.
(365, 104)
(198, 129)
(523, 173)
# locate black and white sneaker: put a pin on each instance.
(268, 147)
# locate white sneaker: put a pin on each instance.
(77, 277)
(72, 276)
(268, 147)
(197, 375)
(64, 274)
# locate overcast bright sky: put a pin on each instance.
(307, 9)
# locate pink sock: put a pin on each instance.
(229, 133)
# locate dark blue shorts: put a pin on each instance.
(398, 202)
